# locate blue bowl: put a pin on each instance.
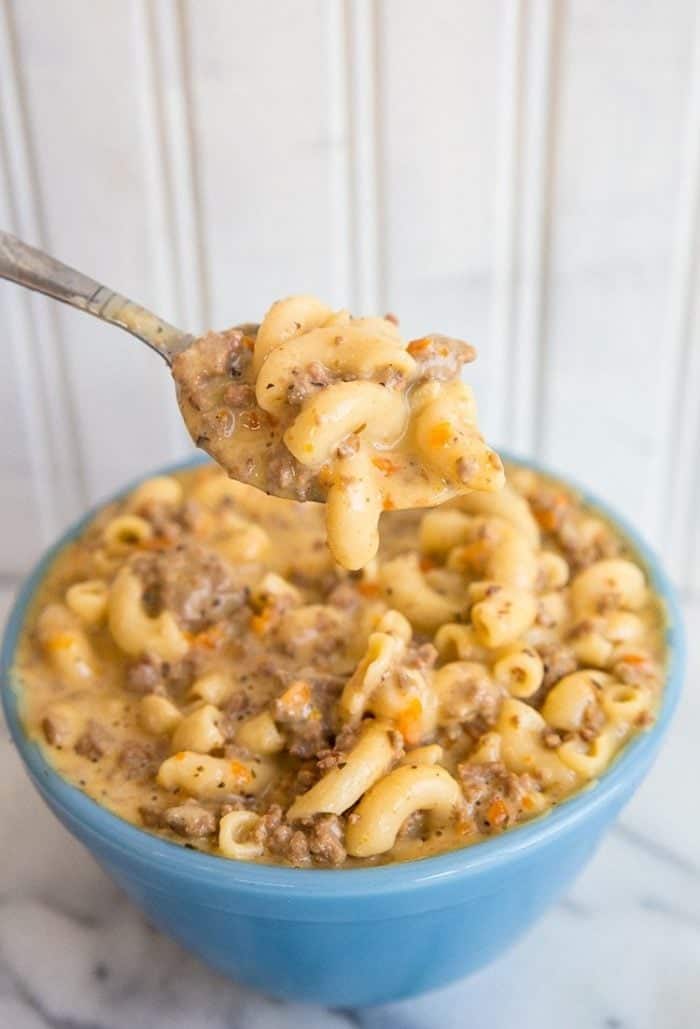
(361, 936)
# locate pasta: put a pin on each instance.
(219, 680)
(315, 404)
(88, 600)
(342, 787)
(386, 806)
(131, 627)
(233, 829)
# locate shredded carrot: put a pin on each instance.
(242, 773)
(180, 756)
(634, 659)
(440, 434)
(296, 698)
(155, 543)
(497, 812)
(385, 465)
(473, 555)
(262, 622)
(388, 504)
(210, 637)
(416, 345)
(548, 516)
(325, 475)
(61, 641)
(408, 722)
(426, 563)
(368, 589)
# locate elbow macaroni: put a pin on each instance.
(339, 409)
(265, 705)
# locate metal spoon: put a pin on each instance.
(36, 270)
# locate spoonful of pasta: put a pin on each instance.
(312, 404)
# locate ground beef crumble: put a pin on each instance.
(493, 795)
(94, 742)
(191, 581)
(285, 473)
(140, 761)
(558, 660)
(148, 674)
(307, 381)
(190, 819)
(319, 838)
(212, 355)
(440, 357)
(57, 730)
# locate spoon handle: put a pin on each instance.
(36, 270)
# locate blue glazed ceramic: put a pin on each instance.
(362, 936)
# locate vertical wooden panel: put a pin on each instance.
(672, 505)
(51, 489)
(366, 129)
(507, 212)
(175, 230)
(620, 113)
(338, 67)
(523, 173)
(440, 91)
(84, 111)
(527, 353)
(28, 511)
(265, 142)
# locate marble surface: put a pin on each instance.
(622, 951)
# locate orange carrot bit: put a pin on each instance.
(408, 722)
(417, 345)
(497, 812)
(180, 756)
(242, 773)
(325, 475)
(154, 543)
(473, 555)
(440, 434)
(528, 803)
(426, 564)
(367, 588)
(548, 516)
(262, 622)
(296, 698)
(385, 465)
(209, 638)
(61, 641)
(258, 624)
(634, 658)
(388, 504)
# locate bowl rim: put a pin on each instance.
(278, 880)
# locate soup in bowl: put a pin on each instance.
(342, 786)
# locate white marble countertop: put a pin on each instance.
(622, 951)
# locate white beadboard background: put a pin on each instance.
(525, 173)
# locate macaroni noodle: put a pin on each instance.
(317, 405)
(219, 680)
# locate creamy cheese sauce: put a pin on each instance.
(316, 405)
(492, 660)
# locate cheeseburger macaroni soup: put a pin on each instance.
(200, 664)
